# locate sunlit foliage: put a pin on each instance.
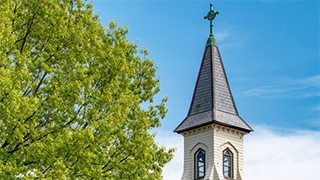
(70, 96)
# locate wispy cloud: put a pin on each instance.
(291, 154)
(314, 122)
(288, 87)
(310, 81)
(222, 35)
(230, 37)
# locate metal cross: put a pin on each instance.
(210, 16)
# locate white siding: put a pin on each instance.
(213, 139)
(228, 138)
(192, 142)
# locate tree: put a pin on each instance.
(70, 96)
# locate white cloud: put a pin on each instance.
(173, 170)
(270, 154)
(288, 87)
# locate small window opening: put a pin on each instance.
(200, 164)
(227, 163)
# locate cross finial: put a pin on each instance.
(210, 16)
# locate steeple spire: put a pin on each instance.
(212, 101)
(211, 16)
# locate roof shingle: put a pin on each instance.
(212, 100)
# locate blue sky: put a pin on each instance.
(270, 51)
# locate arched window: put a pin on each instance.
(227, 163)
(200, 157)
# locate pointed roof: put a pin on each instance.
(212, 101)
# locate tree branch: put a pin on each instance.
(28, 31)
(35, 92)
(111, 157)
(14, 12)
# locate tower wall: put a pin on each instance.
(213, 139)
(193, 140)
(233, 140)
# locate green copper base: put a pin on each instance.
(211, 41)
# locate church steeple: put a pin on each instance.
(213, 130)
(212, 101)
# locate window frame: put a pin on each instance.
(230, 155)
(196, 164)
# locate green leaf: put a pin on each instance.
(71, 96)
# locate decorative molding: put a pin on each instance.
(196, 131)
(229, 130)
(216, 127)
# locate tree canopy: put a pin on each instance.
(71, 95)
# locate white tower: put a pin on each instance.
(213, 130)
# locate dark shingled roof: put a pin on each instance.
(212, 101)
